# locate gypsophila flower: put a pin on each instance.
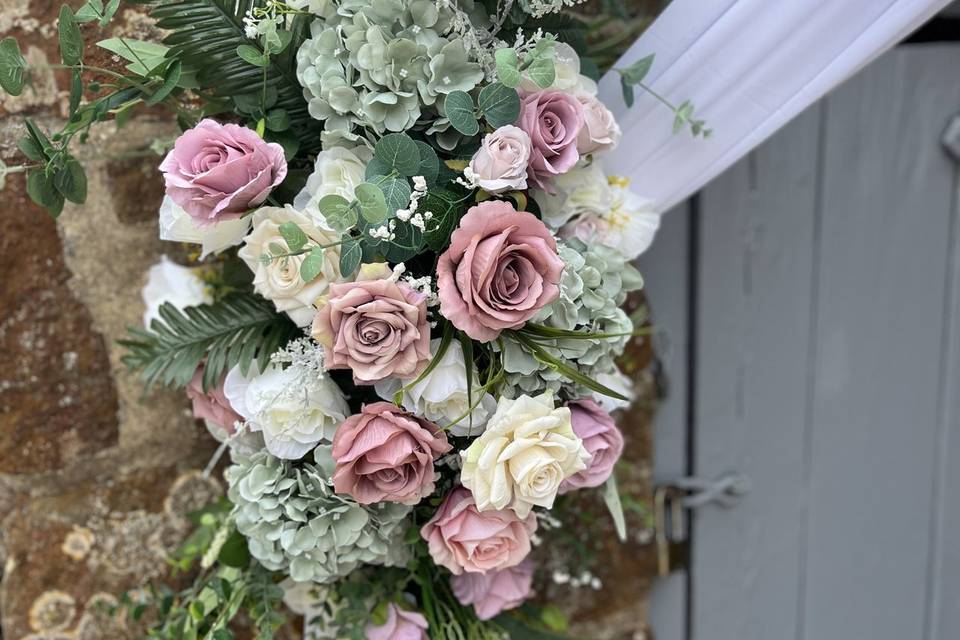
(303, 355)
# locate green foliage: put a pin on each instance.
(205, 37)
(71, 42)
(143, 57)
(459, 109)
(396, 193)
(350, 255)
(508, 69)
(373, 204)
(232, 331)
(398, 152)
(499, 104)
(611, 497)
(312, 265)
(339, 213)
(429, 162)
(447, 207)
(634, 75)
(94, 10)
(12, 67)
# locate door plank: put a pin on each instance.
(753, 335)
(874, 413)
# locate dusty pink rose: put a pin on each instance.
(493, 592)
(553, 120)
(600, 131)
(500, 269)
(400, 625)
(211, 405)
(500, 164)
(462, 538)
(602, 440)
(385, 454)
(375, 327)
(216, 172)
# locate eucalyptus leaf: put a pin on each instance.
(429, 162)
(253, 55)
(71, 181)
(373, 204)
(90, 11)
(636, 72)
(446, 209)
(500, 104)
(293, 235)
(312, 265)
(31, 149)
(375, 169)
(628, 94)
(459, 109)
(278, 120)
(337, 212)
(396, 193)
(507, 67)
(542, 72)
(71, 42)
(398, 152)
(12, 67)
(350, 254)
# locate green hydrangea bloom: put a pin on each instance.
(379, 64)
(595, 283)
(294, 522)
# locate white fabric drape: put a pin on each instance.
(748, 66)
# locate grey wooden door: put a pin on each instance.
(809, 301)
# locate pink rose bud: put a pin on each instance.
(400, 625)
(500, 269)
(602, 440)
(217, 172)
(500, 164)
(600, 131)
(385, 454)
(553, 120)
(494, 592)
(211, 405)
(462, 538)
(375, 327)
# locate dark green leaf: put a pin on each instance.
(429, 162)
(253, 55)
(234, 552)
(76, 90)
(446, 210)
(459, 109)
(373, 205)
(71, 42)
(350, 254)
(42, 191)
(71, 181)
(499, 104)
(396, 193)
(31, 149)
(376, 168)
(12, 66)
(170, 80)
(627, 88)
(281, 42)
(293, 235)
(278, 120)
(398, 152)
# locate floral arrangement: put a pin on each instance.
(407, 327)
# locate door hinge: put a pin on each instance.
(671, 522)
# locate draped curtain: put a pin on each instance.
(748, 66)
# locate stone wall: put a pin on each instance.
(95, 476)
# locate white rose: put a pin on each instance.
(441, 396)
(527, 451)
(177, 226)
(600, 131)
(337, 171)
(500, 164)
(169, 282)
(279, 279)
(293, 413)
(584, 190)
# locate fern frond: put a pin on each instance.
(235, 330)
(205, 36)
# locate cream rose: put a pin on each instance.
(500, 164)
(279, 279)
(600, 131)
(292, 412)
(337, 171)
(527, 451)
(442, 396)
